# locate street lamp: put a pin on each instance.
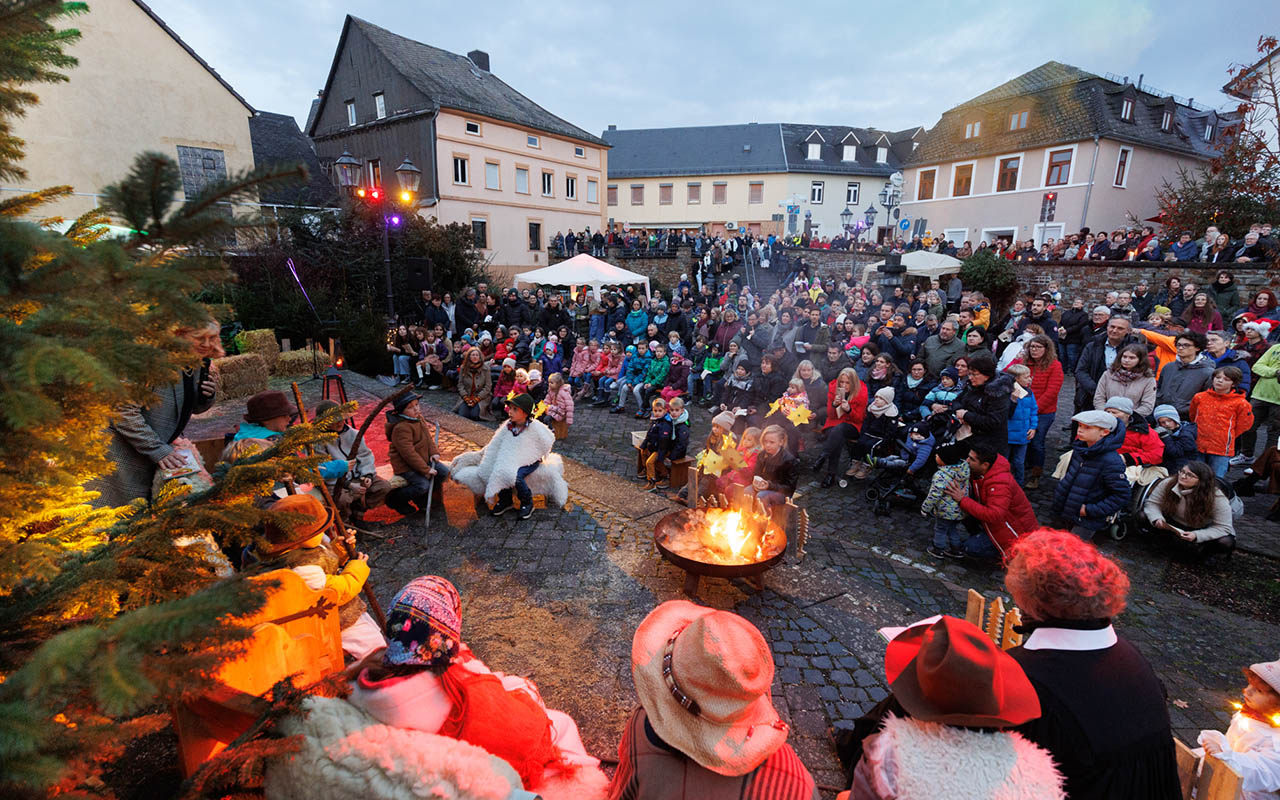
(890, 196)
(846, 217)
(410, 177)
(348, 171)
(870, 216)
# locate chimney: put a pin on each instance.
(480, 58)
(1140, 76)
(613, 127)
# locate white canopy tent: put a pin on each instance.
(922, 262)
(583, 270)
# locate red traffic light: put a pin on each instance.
(377, 194)
(1052, 195)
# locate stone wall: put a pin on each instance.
(831, 263)
(664, 271)
(1094, 279)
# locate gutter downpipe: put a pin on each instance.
(1089, 189)
(435, 171)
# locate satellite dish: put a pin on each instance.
(896, 179)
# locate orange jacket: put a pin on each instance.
(1219, 419)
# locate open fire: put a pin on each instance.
(722, 536)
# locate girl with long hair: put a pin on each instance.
(1131, 376)
(1202, 314)
(1190, 505)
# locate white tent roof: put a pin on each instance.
(922, 262)
(583, 270)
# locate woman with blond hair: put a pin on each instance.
(1103, 715)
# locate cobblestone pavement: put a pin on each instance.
(558, 597)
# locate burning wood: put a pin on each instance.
(723, 536)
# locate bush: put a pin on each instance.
(240, 376)
(300, 362)
(263, 342)
(992, 275)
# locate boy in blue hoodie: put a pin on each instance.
(1179, 438)
(634, 366)
(941, 397)
(1023, 415)
(1094, 486)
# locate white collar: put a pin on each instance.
(1068, 639)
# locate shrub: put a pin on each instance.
(992, 275)
(240, 376)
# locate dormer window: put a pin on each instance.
(1208, 131)
(1126, 110)
(380, 106)
(815, 151)
(850, 153)
(1018, 120)
(882, 155)
(972, 130)
(1166, 121)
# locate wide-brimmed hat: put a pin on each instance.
(951, 672)
(704, 678)
(267, 405)
(522, 401)
(424, 623)
(312, 518)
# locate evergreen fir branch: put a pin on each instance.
(23, 204)
(32, 50)
(143, 198)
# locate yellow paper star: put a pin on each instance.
(511, 394)
(800, 415)
(733, 458)
(773, 407)
(540, 409)
(728, 442)
(711, 463)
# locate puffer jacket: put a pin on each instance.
(1266, 386)
(560, 404)
(998, 502)
(656, 372)
(1141, 444)
(636, 367)
(1220, 418)
(1022, 417)
(1179, 446)
(1233, 358)
(939, 394)
(1094, 479)
(987, 410)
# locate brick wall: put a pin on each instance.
(665, 271)
(832, 263)
(1093, 280)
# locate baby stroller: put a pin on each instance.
(889, 482)
(869, 446)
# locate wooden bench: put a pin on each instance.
(677, 473)
(295, 632)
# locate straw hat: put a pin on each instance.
(704, 678)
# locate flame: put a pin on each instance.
(730, 527)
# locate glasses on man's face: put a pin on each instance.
(1181, 345)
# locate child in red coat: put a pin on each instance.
(1221, 414)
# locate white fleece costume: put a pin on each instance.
(487, 472)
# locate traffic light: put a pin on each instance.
(1051, 205)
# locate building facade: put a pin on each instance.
(1090, 151)
(754, 178)
(490, 157)
(86, 132)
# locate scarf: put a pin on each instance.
(1125, 375)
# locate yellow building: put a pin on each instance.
(138, 87)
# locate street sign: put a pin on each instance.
(793, 209)
(905, 225)
(896, 179)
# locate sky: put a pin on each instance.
(670, 64)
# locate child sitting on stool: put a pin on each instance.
(414, 458)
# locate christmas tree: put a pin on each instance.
(103, 615)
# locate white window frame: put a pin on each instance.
(852, 189)
(493, 169)
(950, 235)
(379, 105)
(1208, 131)
(1126, 110)
(466, 128)
(579, 152)
(920, 179)
(532, 140)
(465, 172)
(951, 179)
(1128, 167)
(1166, 121)
(570, 187)
(593, 190)
(351, 113)
(972, 130)
(814, 151)
(849, 152)
(882, 155)
(522, 171)
(548, 183)
(1044, 178)
(817, 189)
(995, 172)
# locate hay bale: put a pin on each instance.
(298, 362)
(263, 342)
(240, 376)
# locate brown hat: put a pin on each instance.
(309, 520)
(267, 405)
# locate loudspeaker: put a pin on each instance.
(419, 274)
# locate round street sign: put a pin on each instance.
(896, 179)
(905, 224)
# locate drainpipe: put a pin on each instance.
(435, 171)
(1089, 189)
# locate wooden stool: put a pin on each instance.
(561, 428)
(1216, 781)
(678, 474)
(997, 622)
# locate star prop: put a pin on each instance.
(773, 407)
(733, 458)
(800, 415)
(711, 463)
(728, 443)
(540, 409)
(511, 394)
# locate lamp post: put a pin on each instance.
(409, 176)
(870, 216)
(890, 196)
(846, 217)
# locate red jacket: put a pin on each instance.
(1219, 419)
(857, 406)
(1142, 447)
(1045, 385)
(998, 502)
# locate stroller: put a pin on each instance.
(889, 484)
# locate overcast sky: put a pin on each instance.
(658, 64)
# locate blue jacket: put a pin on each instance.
(1179, 446)
(939, 394)
(1022, 419)
(1095, 479)
(637, 323)
(1187, 252)
(634, 368)
(1230, 358)
(918, 452)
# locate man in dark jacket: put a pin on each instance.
(1143, 300)
(835, 362)
(1075, 321)
(1094, 486)
(777, 470)
(554, 315)
(996, 501)
(465, 315)
(1097, 357)
(1187, 375)
(435, 314)
(754, 338)
(983, 406)
(1039, 315)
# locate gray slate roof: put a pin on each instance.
(752, 148)
(453, 81)
(277, 140)
(1066, 104)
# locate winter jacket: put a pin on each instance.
(659, 433)
(637, 323)
(1076, 322)
(1092, 363)
(338, 449)
(584, 362)
(987, 409)
(677, 379)
(1179, 446)
(1232, 358)
(939, 504)
(493, 469)
(1142, 391)
(909, 398)
(1201, 324)
(1141, 445)
(1179, 382)
(1218, 525)
(1094, 479)
(725, 333)
(1045, 321)
(1046, 383)
(998, 502)
(1225, 296)
(772, 386)
(634, 368)
(917, 453)
(1266, 385)
(901, 762)
(857, 407)
(656, 372)
(560, 404)
(1022, 416)
(781, 471)
(938, 355)
(552, 318)
(1220, 418)
(412, 444)
(739, 393)
(677, 444)
(939, 394)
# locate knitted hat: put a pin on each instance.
(1098, 419)
(952, 373)
(1167, 411)
(1163, 310)
(724, 419)
(1120, 404)
(509, 362)
(1269, 672)
(485, 336)
(403, 401)
(885, 396)
(1261, 327)
(535, 375)
(424, 623)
